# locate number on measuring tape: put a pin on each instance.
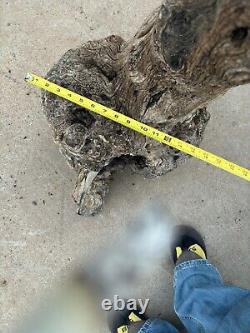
(192, 150)
(167, 139)
(205, 155)
(155, 133)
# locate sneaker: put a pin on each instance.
(186, 238)
(119, 321)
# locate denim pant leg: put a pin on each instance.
(205, 304)
(157, 326)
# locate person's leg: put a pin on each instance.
(131, 322)
(202, 301)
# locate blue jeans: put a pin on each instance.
(204, 303)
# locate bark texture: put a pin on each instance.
(186, 54)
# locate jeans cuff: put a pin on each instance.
(183, 270)
(191, 264)
(145, 326)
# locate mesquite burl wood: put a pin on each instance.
(186, 54)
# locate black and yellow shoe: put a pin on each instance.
(187, 239)
(120, 321)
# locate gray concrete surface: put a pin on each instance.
(41, 236)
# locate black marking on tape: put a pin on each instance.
(167, 139)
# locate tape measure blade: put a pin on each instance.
(221, 163)
(209, 158)
(139, 127)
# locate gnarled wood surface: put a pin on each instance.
(187, 53)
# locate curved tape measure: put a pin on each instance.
(137, 126)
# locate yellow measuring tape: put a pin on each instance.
(137, 126)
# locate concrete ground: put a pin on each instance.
(41, 236)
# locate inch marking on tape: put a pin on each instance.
(137, 126)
